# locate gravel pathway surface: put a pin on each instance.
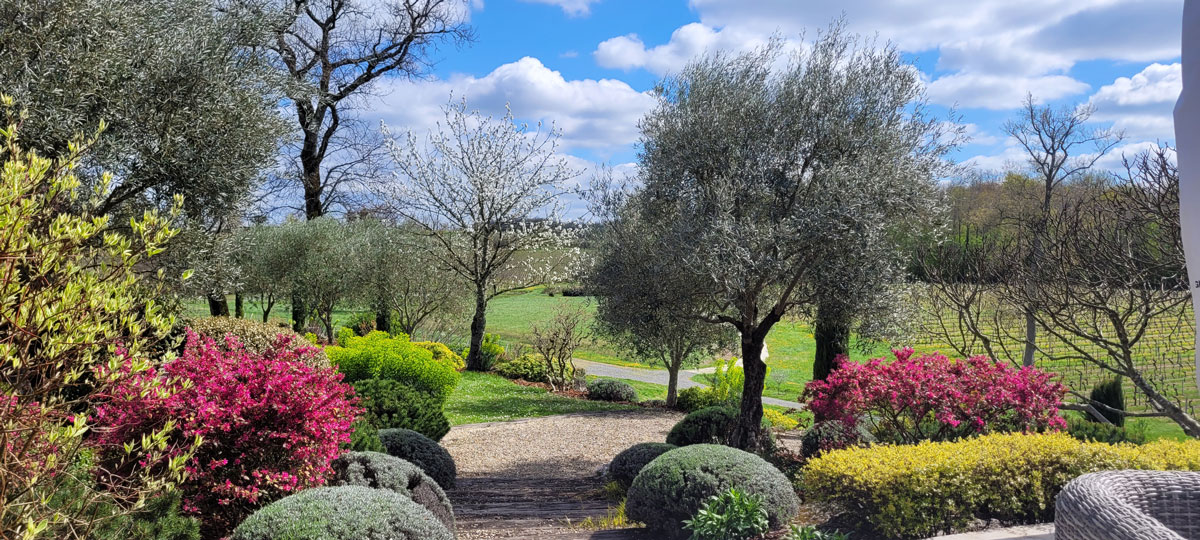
(660, 376)
(531, 478)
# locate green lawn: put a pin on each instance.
(482, 397)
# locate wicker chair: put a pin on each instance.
(1130, 505)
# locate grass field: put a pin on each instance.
(483, 397)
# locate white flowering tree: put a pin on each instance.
(488, 192)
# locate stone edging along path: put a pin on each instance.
(659, 376)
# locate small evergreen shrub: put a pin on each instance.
(711, 425)
(731, 515)
(391, 404)
(362, 323)
(422, 452)
(911, 491)
(694, 398)
(343, 513)
(626, 465)
(381, 471)
(161, 519)
(1086, 430)
(611, 390)
(365, 437)
(442, 353)
(257, 337)
(676, 485)
(1111, 393)
(380, 356)
(526, 367)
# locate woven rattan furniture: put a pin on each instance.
(1130, 505)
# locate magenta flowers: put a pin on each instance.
(932, 397)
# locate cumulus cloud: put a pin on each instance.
(1000, 92)
(688, 41)
(574, 8)
(595, 114)
(1142, 104)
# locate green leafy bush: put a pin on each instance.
(442, 353)
(911, 491)
(1086, 430)
(611, 390)
(257, 337)
(625, 466)
(695, 398)
(392, 404)
(343, 513)
(808, 532)
(361, 323)
(706, 426)
(674, 487)
(381, 471)
(490, 351)
(365, 437)
(525, 367)
(380, 356)
(422, 452)
(731, 515)
(1111, 393)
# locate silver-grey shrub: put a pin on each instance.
(343, 513)
(421, 451)
(381, 471)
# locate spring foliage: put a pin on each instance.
(380, 356)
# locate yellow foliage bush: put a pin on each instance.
(919, 490)
(443, 354)
(779, 420)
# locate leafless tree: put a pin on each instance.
(556, 341)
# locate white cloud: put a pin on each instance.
(573, 8)
(1012, 157)
(1142, 104)
(1000, 92)
(978, 136)
(688, 41)
(594, 114)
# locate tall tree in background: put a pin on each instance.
(487, 193)
(333, 50)
(750, 172)
(1061, 148)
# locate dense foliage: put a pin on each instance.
(343, 513)
(391, 404)
(525, 367)
(694, 398)
(611, 390)
(1086, 430)
(917, 490)
(711, 425)
(72, 311)
(625, 466)
(443, 354)
(677, 484)
(381, 471)
(932, 397)
(380, 356)
(267, 425)
(831, 435)
(731, 515)
(422, 452)
(256, 337)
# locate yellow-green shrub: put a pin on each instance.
(779, 420)
(442, 353)
(918, 490)
(380, 356)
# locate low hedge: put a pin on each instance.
(343, 513)
(381, 471)
(525, 367)
(626, 465)
(391, 404)
(422, 452)
(380, 356)
(918, 490)
(675, 485)
(611, 390)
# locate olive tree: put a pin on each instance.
(486, 192)
(752, 170)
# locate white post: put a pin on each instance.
(1187, 145)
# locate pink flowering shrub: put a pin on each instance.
(932, 397)
(268, 424)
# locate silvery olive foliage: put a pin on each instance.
(487, 191)
(760, 167)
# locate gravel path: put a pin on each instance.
(527, 478)
(659, 376)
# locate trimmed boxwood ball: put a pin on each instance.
(675, 485)
(381, 471)
(705, 426)
(611, 390)
(423, 452)
(343, 513)
(626, 466)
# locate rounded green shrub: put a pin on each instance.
(423, 452)
(695, 398)
(705, 426)
(381, 471)
(365, 437)
(343, 513)
(626, 466)
(392, 404)
(257, 337)
(674, 486)
(442, 353)
(611, 390)
(525, 367)
(380, 356)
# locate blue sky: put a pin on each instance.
(587, 65)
